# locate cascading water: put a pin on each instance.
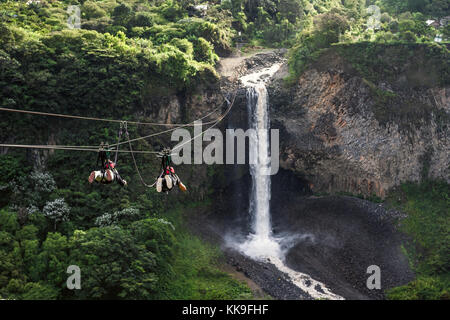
(261, 244)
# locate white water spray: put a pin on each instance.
(261, 244)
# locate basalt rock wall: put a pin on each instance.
(344, 133)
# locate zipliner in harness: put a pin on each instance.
(108, 172)
(167, 179)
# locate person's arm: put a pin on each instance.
(98, 157)
(163, 162)
(101, 157)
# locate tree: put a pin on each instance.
(124, 216)
(91, 10)
(43, 182)
(158, 237)
(328, 27)
(53, 261)
(385, 17)
(291, 9)
(113, 265)
(408, 36)
(122, 14)
(183, 45)
(446, 32)
(39, 291)
(204, 51)
(417, 5)
(236, 7)
(57, 210)
(406, 25)
(142, 19)
(439, 8)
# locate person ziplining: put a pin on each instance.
(168, 178)
(108, 172)
(108, 169)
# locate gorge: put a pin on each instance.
(348, 124)
(320, 231)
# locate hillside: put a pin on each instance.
(363, 111)
(366, 117)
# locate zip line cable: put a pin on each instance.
(190, 124)
(123, 125)
(214, 124)
(145, 137)
(89, 118)
(135, 164)
(5, 145)
(148, 136)
(95, 149)
(185, 125)
(94, 118)
(25, 146)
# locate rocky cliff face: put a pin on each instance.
(344, 133)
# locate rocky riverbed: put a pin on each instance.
(333, 239)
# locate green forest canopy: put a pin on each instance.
(126, 51)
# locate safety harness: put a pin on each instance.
(104, 153)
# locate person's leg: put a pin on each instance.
(181, 186)
(119, 179)
(100, 176)
(95, 176)
(176, 179)
(91, 177)
(109, 175)
(159, 183)
(164, 186)
(169, 181)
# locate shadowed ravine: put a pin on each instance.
(294, 245)
(260, 244)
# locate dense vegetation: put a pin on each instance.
(125, 257)
(130, 242)
(384, 22)
(378, 44)
(121, 238)
(428, 224)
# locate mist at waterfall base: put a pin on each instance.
(261, 244)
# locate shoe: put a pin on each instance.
(182, 186)
(91, 177)
(125, 183)
(176, 179)
(109, 176)
(169, 182)
(159, 184)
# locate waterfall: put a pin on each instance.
(260, 244)
(260, 196)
